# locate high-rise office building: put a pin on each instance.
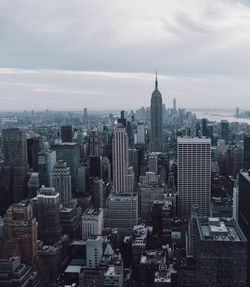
(94, 143)
(20, 233)
(153, 163)
(121, 212)
(61, 181)
(46, 162)
(120, 159)
(48, 206)
(244, 211)
(141, 133)
(69, 152)
(194, 175)
(225, 130)
(92, 223)
(221, 253)
(204, 127)
(15, 167)
(156, 140)
(66, 133)
(34, 146)
(246, 152)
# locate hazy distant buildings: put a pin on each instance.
(156, 139)
(194, 175)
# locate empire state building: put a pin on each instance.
(156, 144)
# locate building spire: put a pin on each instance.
(156, 81)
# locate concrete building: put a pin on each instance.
(153, 163)
(66, 133)
(61, 181)
(121, 212)
(20, 233)
(34, 146)
(48, 205)
(46, 162)
(94, 143)
(33, 184)
(221, 253)
(246, 156)
(69, 152)
(120, 159)
(94, 251)
(92, 223)
(147, 196)
(244, 211)
(15, 167)
(194, 175)
(15, 273)
(141, 133)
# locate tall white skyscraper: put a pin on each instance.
(61, 181)
(120, 159)
(194, 175)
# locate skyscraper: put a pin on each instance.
(221, 253)
(66, 133)
(20, 232)
(225, 130)
(194, 175)
(61, 181)
(244, 211)
(94, 143)
(120, 159)
(46, 162)
(15, 167)
(49, 227)
(156, 120)
(247, 152)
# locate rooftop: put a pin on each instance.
(219, 229)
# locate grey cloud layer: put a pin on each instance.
(186, 40)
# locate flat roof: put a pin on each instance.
(73, 269)
(220, 229)
(193, 140)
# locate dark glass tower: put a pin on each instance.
(156, 120)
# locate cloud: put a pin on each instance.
(111, 48)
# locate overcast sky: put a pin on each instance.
(102, 54)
